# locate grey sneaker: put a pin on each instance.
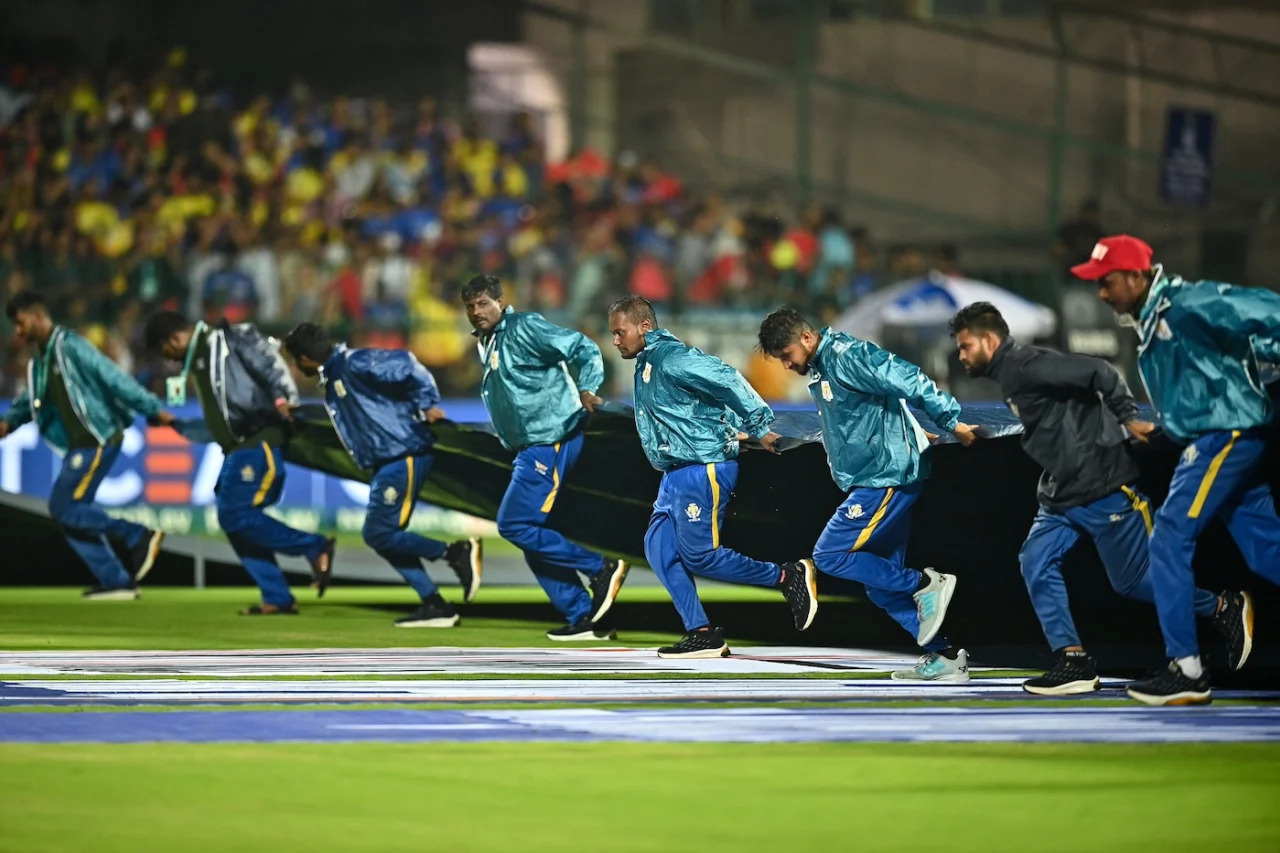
(932, 603)
(935, 667)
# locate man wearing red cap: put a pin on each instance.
(1200, 354)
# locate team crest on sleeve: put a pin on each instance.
(854, 511)
(246, 473)
(826, 391)
(77, 461)
(389, 495)
(693, 512)
(648, 372)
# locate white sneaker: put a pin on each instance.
(934, 667)
(932, 603)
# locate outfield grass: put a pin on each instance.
(49, 619)
(639, 797)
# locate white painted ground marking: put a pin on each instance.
(608, 659)
(162, 691)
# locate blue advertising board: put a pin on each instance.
(163, 480)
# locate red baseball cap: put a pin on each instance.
(1120, 252)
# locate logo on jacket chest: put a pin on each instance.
(1013, 407)
(493, 360)
(826, 391)
(339, 388)
(1163, 332)
(693, 512)
(648, 373)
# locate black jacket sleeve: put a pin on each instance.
(262, 360)
(1072, 371)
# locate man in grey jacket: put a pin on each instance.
(246, 394)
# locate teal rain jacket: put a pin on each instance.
(862, 392)
(690, 406)
(103, 397)
(534, 373)
(1201, 350)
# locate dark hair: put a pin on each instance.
(979, 318)
(780, 330)
(482, 285)
(161, 326)
(23, 300)
(637, 309)
(309, 340)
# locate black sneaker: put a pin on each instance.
(119, 593)
(142, 557)
(583, 630)
(698, 644)
(800, 589)
(271, 610)
(1234, 620)
(433, 613)
(466, 558)
(1073, 672)
(605, 585)
(1170, 687)
(322, 568)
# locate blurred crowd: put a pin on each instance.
(122, 191)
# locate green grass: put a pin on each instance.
(51, 619)
(639, 797)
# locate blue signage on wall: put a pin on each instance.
(1187, 168)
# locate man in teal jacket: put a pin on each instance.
(539, 387)
(877, 454)
(1201, 346)
(82, 403)
(691, 411)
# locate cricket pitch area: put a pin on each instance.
(111, 730)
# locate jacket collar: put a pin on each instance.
(1155, 295)
(58, 331)
(1159, 298)
(997, 363)
(331, 363)
(502, 321)
(825, 338)
(659, 336)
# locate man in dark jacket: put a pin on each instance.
(245, 393)
(382, 403)
(1075, 411)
